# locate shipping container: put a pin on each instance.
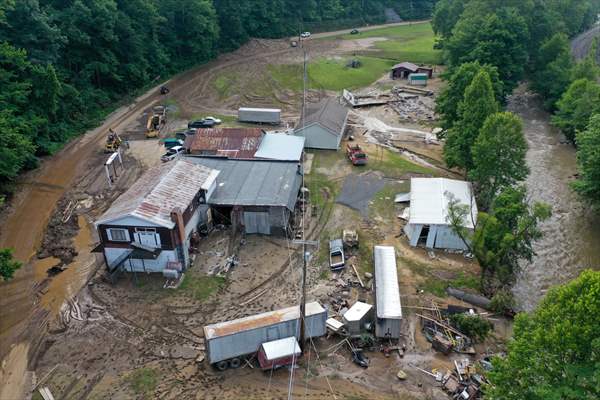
(260, 115)
(227, 342)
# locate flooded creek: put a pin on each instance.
(571, 239)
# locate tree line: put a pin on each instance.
(490, 46)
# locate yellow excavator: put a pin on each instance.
(155, 120)
(113, 141)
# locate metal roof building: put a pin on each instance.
(159, 190)
(238, 143)
(262, 193)
(280, 147)
(323, 124)
(428, 217)
(387, 293)
(357, 317)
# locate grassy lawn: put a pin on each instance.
(393, 165)
(331, 74)
(143, 381)
(412, 43)
(223, 84)
(200, 287)
(383, 202)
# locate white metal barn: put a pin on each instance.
(387, 293)
(428, 217)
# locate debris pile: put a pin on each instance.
(441, 334)
(412, 106)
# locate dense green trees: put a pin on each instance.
(8, 265)
(555, 353)
(498, 157)
(576, 106)
(479, 103)
(588, 160)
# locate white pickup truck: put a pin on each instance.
(336, 254)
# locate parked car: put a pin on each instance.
(172, 153)
(201, 123)
(354, 32)
(360, 359)
(305, 35)
(215, 120)
(172, 142)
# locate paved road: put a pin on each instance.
(366, 28)
(580, 45)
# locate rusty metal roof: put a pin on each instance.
(239, 143)
(159, 190)
(260, 320)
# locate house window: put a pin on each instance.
(117, 235)
(147, 237)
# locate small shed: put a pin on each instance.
(428, 218)
(417, 79)
(323, 124)
(387, 293)
(358, 317)
(404, 69)
(279, 353)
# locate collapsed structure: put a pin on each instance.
(428, 222)
(148, 228)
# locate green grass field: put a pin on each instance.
(412, 43)
(330, 73)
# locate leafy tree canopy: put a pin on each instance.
(555, 352)
(576, 106)
(588, 161)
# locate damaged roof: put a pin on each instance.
(253, 182)
(239, 143)
(160, 190)
(328, 113)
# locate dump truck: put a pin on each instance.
(336, 254)
(228, 343)
(155, 120)
(356, 155)
(113, 142)
(260, 115)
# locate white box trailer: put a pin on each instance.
(260, 115)
(227, 342)
(387, 294)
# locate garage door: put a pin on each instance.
(257, 222)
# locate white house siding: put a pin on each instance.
(132, 221)
(112, 253)
(198, 217)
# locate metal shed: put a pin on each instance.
(428, 219)
(323, 124)
(387, 293)
(358, 317)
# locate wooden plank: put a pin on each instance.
(451, 329)
(358, 276)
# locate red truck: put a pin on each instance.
(356, 155)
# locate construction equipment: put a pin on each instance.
(113, 142)
(155, 120)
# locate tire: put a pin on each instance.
(235, 363)
(222, 365)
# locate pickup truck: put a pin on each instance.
(336, 254)
(356, 155)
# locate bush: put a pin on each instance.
(502, 301)
(472, 325)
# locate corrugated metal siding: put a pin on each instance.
(257, 222)
(387, 293)
(385, 327)
(248, 342)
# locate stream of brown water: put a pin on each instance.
(571, 239)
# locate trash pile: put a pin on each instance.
(465, 381)
(413, 108)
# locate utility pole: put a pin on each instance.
(304, 255)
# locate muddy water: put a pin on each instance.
(571, 239)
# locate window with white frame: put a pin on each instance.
(117, 234)
(147, 237)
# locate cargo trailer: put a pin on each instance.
(260, 115)
(228, 342)
(387, 294)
